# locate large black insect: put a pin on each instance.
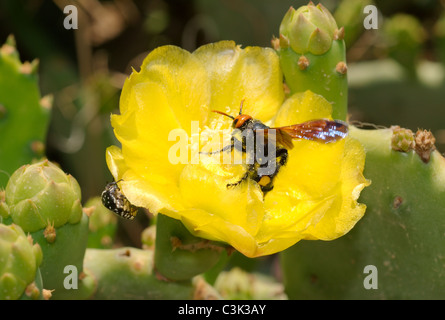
(319, 130)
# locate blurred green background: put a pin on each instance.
(396, 72)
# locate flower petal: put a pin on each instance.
(315, 194)
(235, 74)
(240, 208)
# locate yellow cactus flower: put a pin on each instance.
(166, 122)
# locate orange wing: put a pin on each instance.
(320, 130)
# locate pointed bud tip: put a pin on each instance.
(339, 34)
(284, 41)
(11, 41)
(275, 43)
(89, 211)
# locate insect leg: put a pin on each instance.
(229, 147)
(282, 155)
(244, 177)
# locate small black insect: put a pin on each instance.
(113, 199)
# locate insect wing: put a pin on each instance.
(316, 130)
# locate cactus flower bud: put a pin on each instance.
(309, 29)
(19, 262)
(42, 193)
(313, 55)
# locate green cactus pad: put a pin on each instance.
(127, 274)
(102, 225)
(24, 115)
(401, 233)
(67, 250)
(179, 255)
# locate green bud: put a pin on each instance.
(19, 262)
(309, 29)
(402, 139)
(41, 194)
(313, 55)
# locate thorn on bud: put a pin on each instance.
(275, 42)
(89, 211)
(32, 291)
(341, 68)
(50, 232)
(30, 239)
(303, 63)
(339, 34)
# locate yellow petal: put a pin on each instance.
(251, 74)
(301, 107)
(315, 194)
(141, 192)
(206, 188)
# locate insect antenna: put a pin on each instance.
(241, 106)
(224, 114)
